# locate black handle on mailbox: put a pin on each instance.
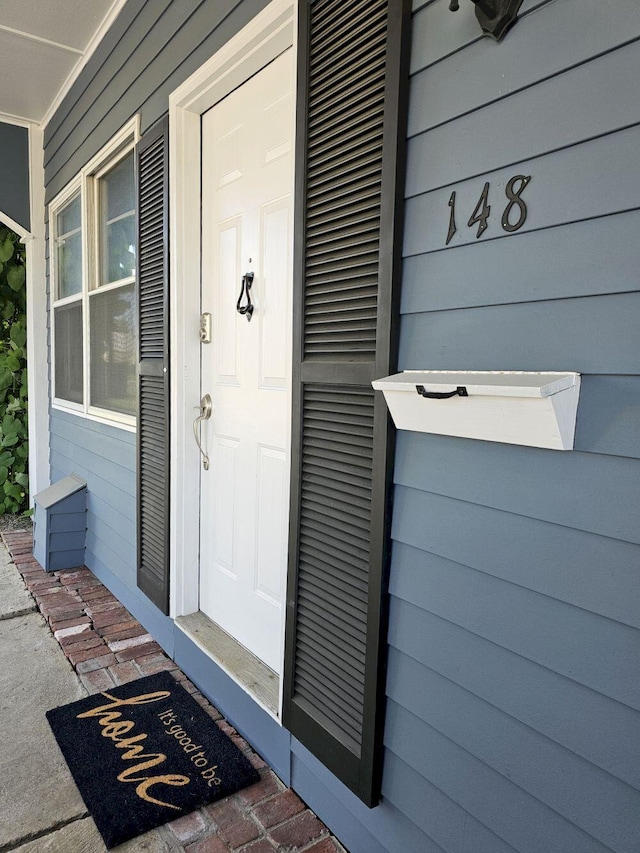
(460, 391)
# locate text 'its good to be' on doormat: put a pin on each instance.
(146, 753)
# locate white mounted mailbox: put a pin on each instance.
(516, 407)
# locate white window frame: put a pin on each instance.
(86, 182)
(71, 190)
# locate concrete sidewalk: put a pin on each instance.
(63, 636)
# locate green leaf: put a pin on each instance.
(21, 479)
(18, 335)
(10, 426)
(10, 440)
(4, 473)
(6, 250)
(15, 278)
(6, 377)
(11, 362)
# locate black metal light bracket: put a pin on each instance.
(494, 16)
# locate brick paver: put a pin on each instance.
(278, 809)
(107, 646)
(299, 831)
(97, 681)
(211, 844)
(189, 827)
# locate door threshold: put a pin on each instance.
(254, 676)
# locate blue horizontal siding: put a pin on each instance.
(554, 115)
(111, 443)
(438, 34)
(105, 457)
(436, 814)
(515, 816)
(550, 40)
(514, 627)
(609, 416)
(105, 473)
(557, 335)
(598, 803)
(600, 730)
(531, 268)
(544, 557)
(595, 178)
(585, 491)
(598, 653)
(120, 550)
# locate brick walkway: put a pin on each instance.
(106, 646)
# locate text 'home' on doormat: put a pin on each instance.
(146, 753)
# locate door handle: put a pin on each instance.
(205, 408)
(460, 391)
(247, 310)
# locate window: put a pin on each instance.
(67, 311)
(93, 234)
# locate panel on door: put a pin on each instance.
(247, 182)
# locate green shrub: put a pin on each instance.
(14, 445)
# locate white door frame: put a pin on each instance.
(264, 38)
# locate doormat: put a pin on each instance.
(146, 753)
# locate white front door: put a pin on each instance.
(247, 200)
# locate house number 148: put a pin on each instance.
(482, 209)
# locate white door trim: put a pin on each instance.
(264, 38)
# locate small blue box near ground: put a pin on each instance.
(60, 524)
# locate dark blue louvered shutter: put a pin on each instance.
(350, 134)
(153, 366)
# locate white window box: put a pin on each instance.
(515, 407)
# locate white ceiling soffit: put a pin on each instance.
(44, 44)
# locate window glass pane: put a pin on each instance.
(120, 257)
(113, 350)
(69, 217)
(117, 223)
(119, 189)
(68, 352)
(69, 250)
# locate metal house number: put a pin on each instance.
(482, 209)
